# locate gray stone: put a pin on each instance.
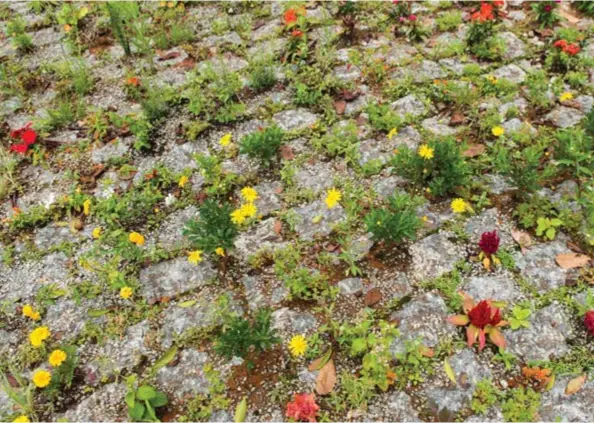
(409, 105)
(259, 238)
(497, 288)
(556, 405)
(546, 336)
(170, 233)
(511, 72)
(351, 286)
(564, 117)
(104, 405)
(66, 319)
(109, 151)
(426, 70)
(438, 127)
(538, 265)
(186, 377)
(316, 219)
(174, 277)
(259, 293)
(393, 406)
(516, 125)
(434, 255)
(423, 318)
(267, 30)
(498, 184)
(293, 322)
(52, 235)
(317, 177)
(488, 221)
(295, 119)
(347, 72)
(386, 187)
(398, 55)
(585, 102)
(514, 47)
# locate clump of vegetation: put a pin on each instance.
(396, 222)
(262, 145)
(213, 229)
(143, 401)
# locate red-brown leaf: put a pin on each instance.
(326, 378)
(339, 106)
(474, 150)
(575, 384)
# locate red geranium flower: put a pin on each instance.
(412, 18)
(498, 3)
(484, 14)
(290, 17)
(589, 321)
(489, 243)
(297, 33)
(572, 49)
(302, 408)
(560, 44)
(19, 148)
(27, 135)
(483, 314)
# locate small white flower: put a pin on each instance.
(170, 200)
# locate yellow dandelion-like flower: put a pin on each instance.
(298, 345)
(426, 152)
(42, 378)
(126, 292)
(96, 233)
(136, 238)
(225, 140)
(566, 96)
(248, 210)
(87, 207)
(498, 131)
(38, 335)
(195, 257)
(67, 28)
(183, 181)
(29, 312)
(237, 216)
(220, 251)
(393, 132)
(459, 205)
(21, 419)
(333, 196)
(56, 358)
(249, 194)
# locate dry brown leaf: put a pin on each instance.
(287, 152)
(169, 56)
(326, 378)
(565, 12)
(522, 238)
(456, 119)
(278, 226)
(572, 260)
(474, 150)
(339, 106)
(575, 384)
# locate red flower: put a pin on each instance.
(489, 243)
(572, 49)
(589, 321)
(483, 314)
(302, 408)
(297, 33)
(290, 17)
(560, 44)
(29, 136)
(548, 8)
(412, 18)
(484, 14)
(499, 3)
(19, 148)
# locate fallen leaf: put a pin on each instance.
(326, 378)
(241, 411)
(373, 297)
(319, 362)
(456, 119)
(522, 238)
(572, 260)
(350, 95)
(426, 351)
(169, 56)
(287, 152)
(575, 384)
(474, 150)
(165, 359)
(449, 371)
(565, 12)
(339, 106)
(278, 226)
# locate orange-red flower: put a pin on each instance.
(27, 135)
(302, 408)
(572, 49)
(290, 17)
(133, 80)
(482, 319)
(297, 33)
(485, 13)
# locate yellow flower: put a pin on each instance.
(182, 181)
(297, 345)
(136, 238)
(163, 4)
(225, 140)
(248, 210)
(195, 257)
(38, 335)
(21, 419)
(57, 357)
(459, 205)
(249, 194)
(566, 96)
(220, 251)
(237, 216)
(67, 28)
(42, 378)
(126, 292)
(497, 131)
(87, 207)
(97, 233)
(333, 196)
(170, 4)
(28, 311)
(426, 152)
(392, 133)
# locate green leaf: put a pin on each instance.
(165, 359)
(556, 222)
(240, 411)
(136, 413)
(187, 304)
(449, 371)
(146, 392)
(550, 233)
(159, 400)
(130, 399)
(97, 313)
(358, 346)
